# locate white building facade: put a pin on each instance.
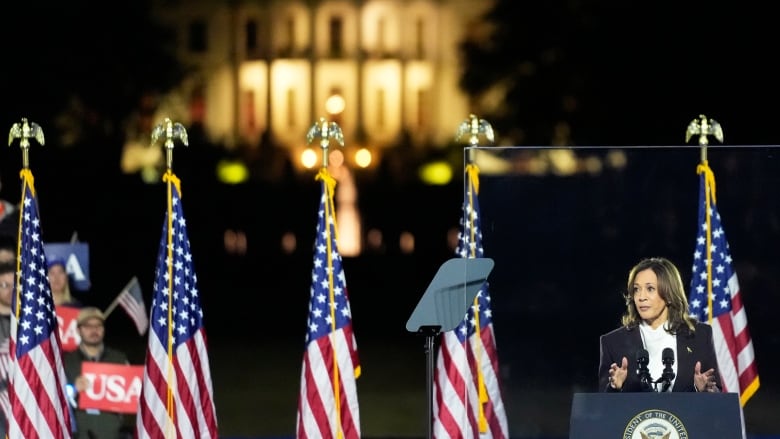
(386, 71)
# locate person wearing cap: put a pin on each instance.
(7, 278)
(92, 424)
(60, 283)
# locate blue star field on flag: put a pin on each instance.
(37, 318)
(470, 246)
(320, 321)
(186, 315)
(722, 270)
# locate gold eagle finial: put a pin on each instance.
(704, 127)
(24, 131)
(171, 131)
(325, 131)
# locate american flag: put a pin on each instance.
(5, 368)
(37, 378)
(328, 403)
(132, 301)
(716, 299)
(176, 399)
(467, 392)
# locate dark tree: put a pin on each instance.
(622, 73)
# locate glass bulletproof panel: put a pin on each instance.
(564, 227)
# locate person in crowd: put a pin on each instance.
(7, 278)
(60, 284)
(657, 329)
(92, 424)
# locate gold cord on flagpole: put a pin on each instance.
(704, 127)
(473, 127)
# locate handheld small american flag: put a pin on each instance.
(328, 403)
(176, 399)
(37, 378)
(716, 298)
(131, 299)
(467, 391)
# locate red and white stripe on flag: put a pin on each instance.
(317, 409)
(456, 397)
(190, 387)
(36, 412)
(734, 347)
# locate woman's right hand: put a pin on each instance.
(618, 374)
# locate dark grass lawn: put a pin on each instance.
(256, 393)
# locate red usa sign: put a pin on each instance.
(69, 333)
(112, 387)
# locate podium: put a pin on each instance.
(655, 415)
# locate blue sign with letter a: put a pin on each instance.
(75, 257)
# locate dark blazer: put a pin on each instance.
(691, 347)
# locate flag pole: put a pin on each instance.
(704, 127)
(473, 127)
(325, 131)
(170, 131)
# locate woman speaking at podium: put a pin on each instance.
(659, 347)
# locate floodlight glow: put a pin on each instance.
(308, 158)
(363, 157)
(232, 172)
(436, 173)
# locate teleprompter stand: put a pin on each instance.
(443, 307)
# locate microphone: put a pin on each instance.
(645, 381)
(667, 358)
